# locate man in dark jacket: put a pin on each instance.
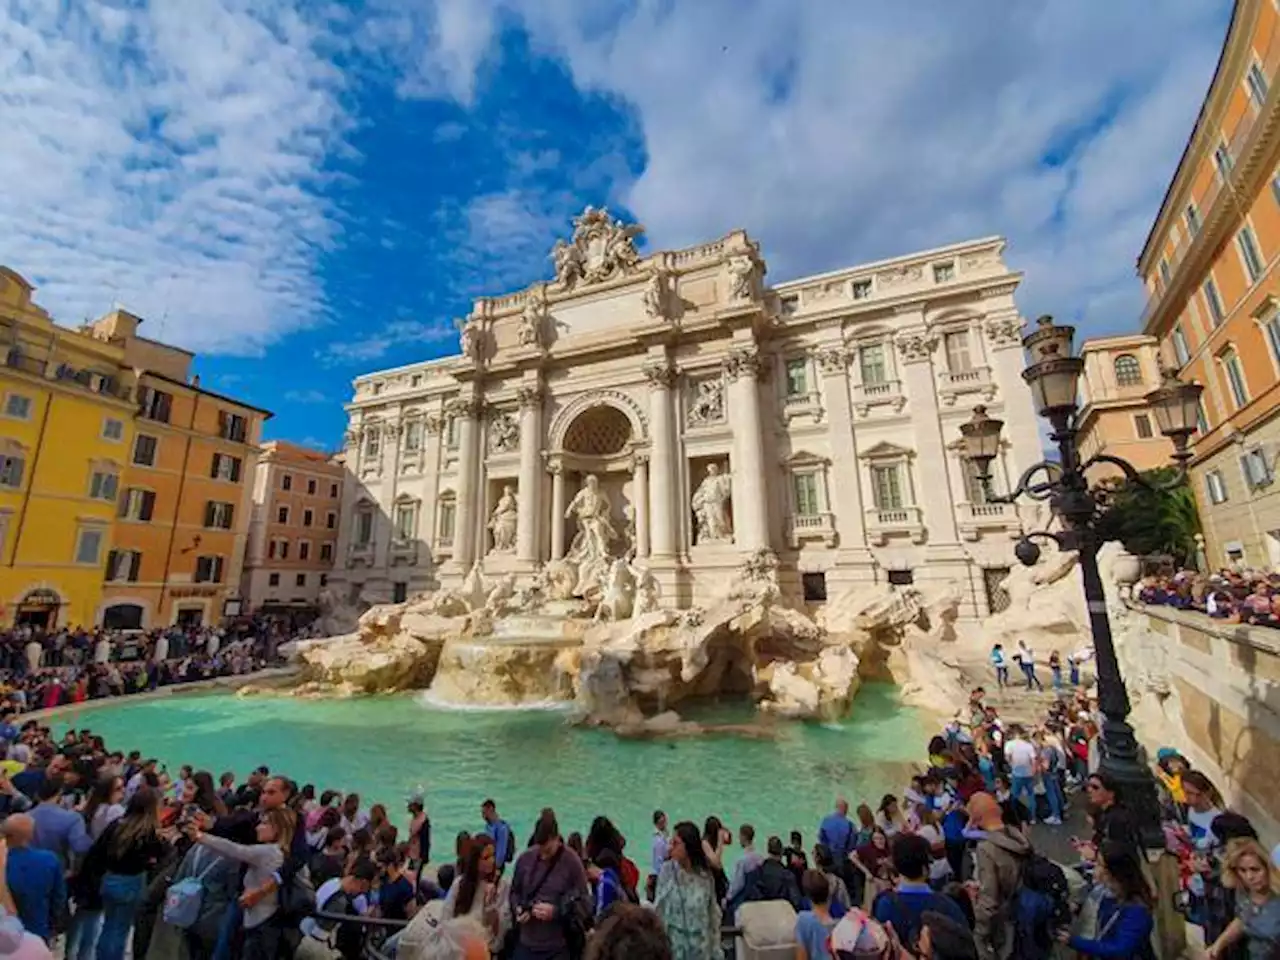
(772, 880)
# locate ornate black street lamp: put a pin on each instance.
(1053, 375)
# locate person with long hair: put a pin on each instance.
(714, 840)
(206, 794)
(891, 819)
(104, 806)
(686, 898)
(125, 852)
(1250, 872)
(1125, 917)
(274, 835)
(1203, 804)
(480, 893)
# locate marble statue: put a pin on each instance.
(591, 509)
(503, 521)
(741, 278)
(504, 591)
(602, 248)
(568, 261)
(654, 299)
(504, 434)
(711, 507)
(645, 598)
(474, 588)
(616, 602)
(707, 405)
(470, 339)
(533, 324)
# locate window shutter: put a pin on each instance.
(165, 404)
(125, 502)
(231, 513)
(222, 423)
(148, 505)
(213, 468)
(217, 569)
(111, 564)
(235, 469)
(208, 513)
(135, 564)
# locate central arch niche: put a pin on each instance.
(600, 431)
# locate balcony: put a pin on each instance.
(404, 550)
(812, 526)
(15, 359)
(973, 518)
(883, 523)
(361, 553)
(952, 384)
(444, 545)
(887, 393)
(801, 404)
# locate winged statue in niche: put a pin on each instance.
(602, 247)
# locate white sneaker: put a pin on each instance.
(1056, 821)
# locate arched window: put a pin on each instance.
(1128, 370)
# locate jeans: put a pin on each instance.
(82, 934)
(1002, 676)
(262, 942)
(1057, 677)
(1054, 795)
(1027, 785)
(1075, 675)
(121, 896)
(232, 921)
(1029, 671)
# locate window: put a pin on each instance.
(451, 434)
(399, 592)
(331, 520)
(104, 485)
(1272, 328)
(957, 345)
(154, 404)
(901, 578)
(112, 429)
(89, 546)
(123, 566)
(208, 570)
(144, 450)
(448, 515)
(1202, 422)
(333, 491)
(973, 485)
(300, 580)
(1248, 245)
(797, 377)
(1214, 301)
(326, 551)
(371, 441)
(377, 389)
(286, 481)
(364, 528)
(942, 272)
(1222, 160)
(406, 521)
(218, 515)
(1128, 370)
(413, 436)
(311, 488)
(1275, 186)
(814, 586)
(1215, 486)
(1256, 80)
(324, 579)
(1256, 469)
(415, 380)
(11, 471)
(1180, 351)
(17, 406)
(232, 426)
(886, 487)
(273, 580)
(1192, 216)
(1235, 376)
(861, 289)
(307, 517)
(805, 487)
(282, 515)
(1142, 426)
(138, 504)
(304, 549)
(871, 364)
(225, 467)
(1164, 271)
(282, 549)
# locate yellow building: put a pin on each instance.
(66, 428)
(1115, 418)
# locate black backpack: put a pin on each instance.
(1040, 907)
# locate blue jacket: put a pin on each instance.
(838, 834)
(903, 906)
(1125, 931)
(35, 879)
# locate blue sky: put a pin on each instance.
(313, 193)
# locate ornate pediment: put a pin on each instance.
(887, 451)
(805, 458)
(601, 248)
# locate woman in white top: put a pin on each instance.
(478, 894)
(274, 834)
(890, 818)
(105, 805)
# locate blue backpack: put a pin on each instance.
(1041, 908)
(185, 898)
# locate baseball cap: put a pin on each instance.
(857, 936)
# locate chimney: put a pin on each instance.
(195, 381)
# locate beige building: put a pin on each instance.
(293, 534)
(679, 410)
(1114, 417)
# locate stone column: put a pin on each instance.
(385, 523)
(915, 352)
(662, 510)
(557, 510)
(640, 490)
(846, 479)
(750, 509)
(433, 460)
(530, 493)
(467, 410)
(1002, 332)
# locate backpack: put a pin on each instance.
(184, 899)
(1041, 906)
(297, 897)
(510, 853)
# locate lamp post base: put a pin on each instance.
(1122, 760)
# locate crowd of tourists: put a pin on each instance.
(41, 669)
(1236, 596)
(107, 852)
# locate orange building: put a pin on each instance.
(186, 495)
(1114, 416)
(293, 534)
(1209, 264)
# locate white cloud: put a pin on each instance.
(166, 158)
(838, 132)
(391, 336)
(306, 396)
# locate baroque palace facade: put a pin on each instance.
(677, 408)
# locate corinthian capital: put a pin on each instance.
(465, 408)
(530, 396)
(831, 360)
(743, 362)
(916, 346)
(659, 373)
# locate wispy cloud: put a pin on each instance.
(306, 396)
(396, 334)
(169, 157)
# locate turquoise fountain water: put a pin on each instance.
(386, 747)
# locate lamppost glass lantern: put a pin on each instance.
(1176, 406)
(1053, 374)
(981, 440)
